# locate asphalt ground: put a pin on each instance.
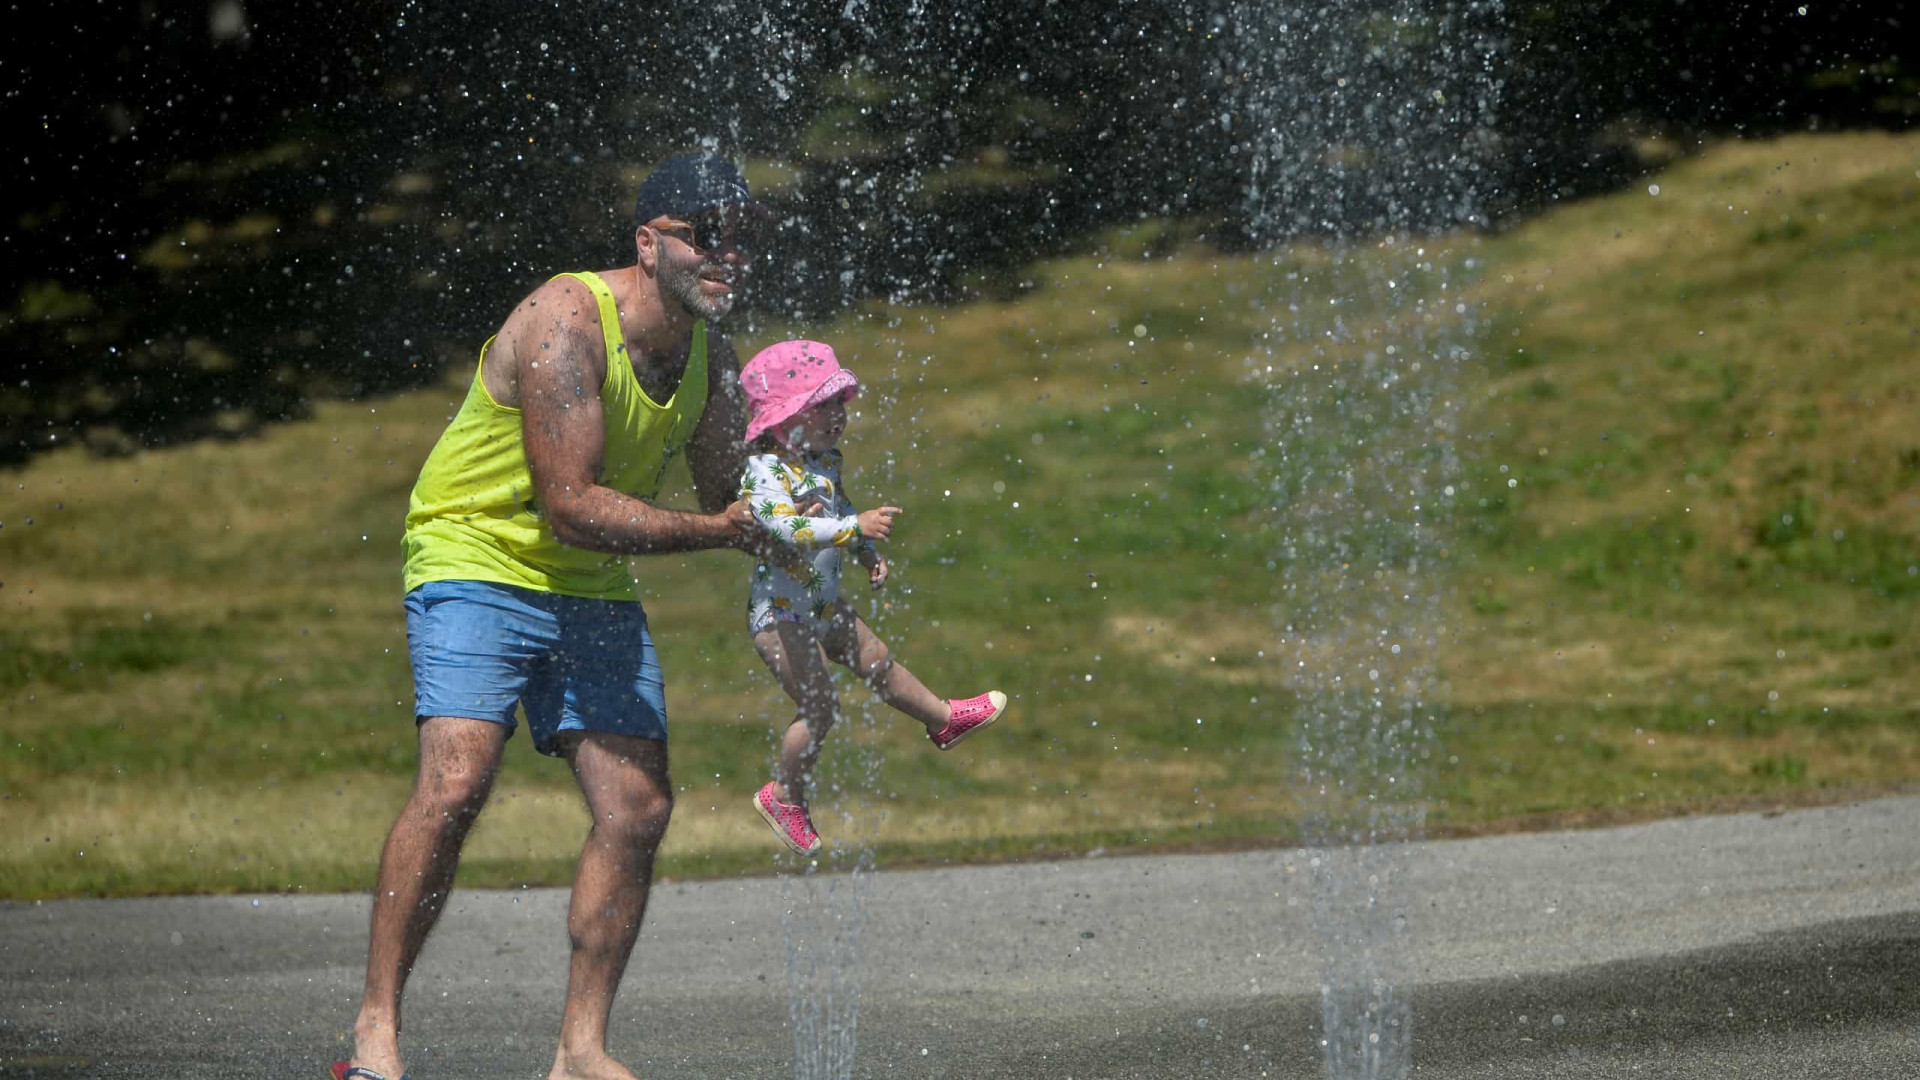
(1751, 946)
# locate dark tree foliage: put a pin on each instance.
(167, 269)
(1581, 76)
(223, 210)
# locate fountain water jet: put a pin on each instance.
(1360, 121)
(825, 900)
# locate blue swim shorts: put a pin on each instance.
(480, 648)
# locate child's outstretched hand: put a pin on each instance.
(877, 523)
(877, 572)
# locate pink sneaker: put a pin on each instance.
(969, 716)
(789, 822)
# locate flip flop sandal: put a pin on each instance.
(341, 1070)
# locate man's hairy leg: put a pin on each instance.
(630, 796)
(459, 758)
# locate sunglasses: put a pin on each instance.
(713, 230)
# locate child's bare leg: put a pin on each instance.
(793, 654)
(852, 643)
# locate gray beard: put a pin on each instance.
(683, 287)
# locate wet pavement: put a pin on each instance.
(1756, 946)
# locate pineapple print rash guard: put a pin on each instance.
(776, 486)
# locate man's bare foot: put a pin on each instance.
(598, 1065)
(376, 1047)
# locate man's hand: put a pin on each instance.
(751, 537)
(877, 523)
(746, 533)
(877, 572)
(740, 516)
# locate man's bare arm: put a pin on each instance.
(561, 364)
(716, 452)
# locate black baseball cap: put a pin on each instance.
(687, 184)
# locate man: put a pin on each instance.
(518, 592)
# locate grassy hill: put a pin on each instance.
(1698, 592)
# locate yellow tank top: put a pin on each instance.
(472, 515)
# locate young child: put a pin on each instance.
(796, 393)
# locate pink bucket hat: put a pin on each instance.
(782, 381)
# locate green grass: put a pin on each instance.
(1697, 593)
